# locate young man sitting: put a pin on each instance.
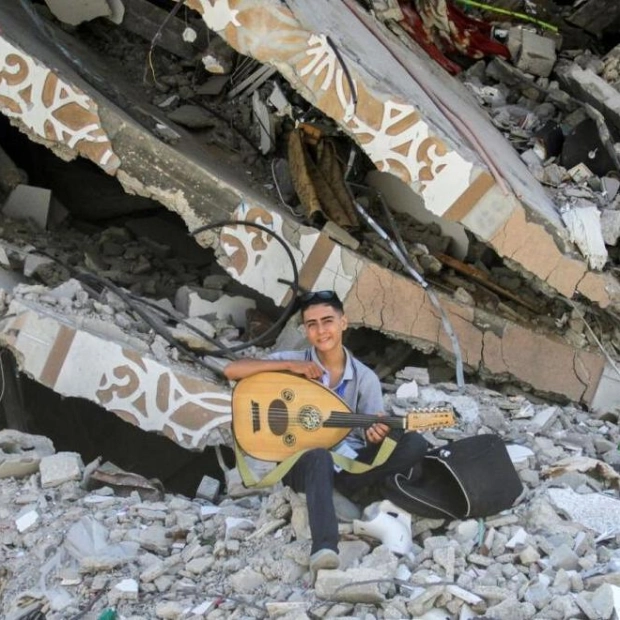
(329, 362)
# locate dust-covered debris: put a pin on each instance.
(66, 550)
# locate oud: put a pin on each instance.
(276, 414)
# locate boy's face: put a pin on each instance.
(324, 326)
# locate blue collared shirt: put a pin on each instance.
(359, 387)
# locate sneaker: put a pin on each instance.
(323, 558)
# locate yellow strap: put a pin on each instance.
(281, 469)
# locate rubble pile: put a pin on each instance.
(558, 111)
(537, 94)
(106, 279)
(74, 548)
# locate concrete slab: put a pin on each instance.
(26, 202)
(187, 408)
(414, 122)
(75, 12)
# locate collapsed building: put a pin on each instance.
(174, 173)
(382, 176)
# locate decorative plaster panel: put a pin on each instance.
(256, 259)
(51, 108)
(390, 131)
(191, 411)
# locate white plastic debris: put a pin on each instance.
(584, 226)
(408, 390)
(387, 523)
(189, 35)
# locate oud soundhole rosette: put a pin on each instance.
(310, 418)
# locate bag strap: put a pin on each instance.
(277, 473)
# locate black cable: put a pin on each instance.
(294, 286)
(129, 300)
(133, 302)
(178, 317)
(347, 74)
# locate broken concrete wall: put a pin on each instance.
(378, 298)
(187, 408)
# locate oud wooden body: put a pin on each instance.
(276, 414)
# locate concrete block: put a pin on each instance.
(192, 303)
(536, 54)
(26, 202)
(74, 12)
(189, 300)
(26, 520)
(543, 420)
(591, 88)
(610, 226)
(330, 584)
(124, 590)
(208, 488)
(21, 453)
(59, 468)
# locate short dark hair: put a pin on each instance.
(314, 298)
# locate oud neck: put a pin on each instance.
(343, 419)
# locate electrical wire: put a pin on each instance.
(496, 9)
(288, 310)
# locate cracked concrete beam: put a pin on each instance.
(52, 350)
(494, 348)
(73, 118)
(444, 152)
(383, 300)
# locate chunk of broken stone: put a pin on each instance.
(59, 468)
(27, 519)
(595, 511)
(21, 453)
(208, 488)
(531, 52)
(356, 585)
(124, 590)
(610, 226)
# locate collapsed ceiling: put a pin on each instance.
(458, 191)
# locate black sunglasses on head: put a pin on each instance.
(317, 295)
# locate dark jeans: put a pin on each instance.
(314, 475)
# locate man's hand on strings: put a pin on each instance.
(377, 432)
